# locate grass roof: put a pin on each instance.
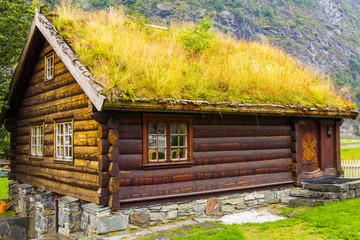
(133, 60)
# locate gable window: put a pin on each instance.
(167, 140)
(64, 141)
(37, 140)
(49, 66)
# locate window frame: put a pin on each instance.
(37, 125)
(63, 122)
(168, 119)
(50, 55)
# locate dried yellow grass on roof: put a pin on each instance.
(132, 59)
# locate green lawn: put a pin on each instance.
(3, 188)
(350, 152)
(338, 220)
(349, 140)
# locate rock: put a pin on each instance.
(157, 216)
(212, 206)
(236, 195)
(166, 208)
(234, 201)
(270, 196)
(113, 223)
(199, 208)
(17, 232)
(141, 219)
(227, 208)
(357, 192)
(4, 227)
(172, 214)
(140, 209)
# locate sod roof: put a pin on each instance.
(135, 61)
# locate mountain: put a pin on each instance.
(322, 33)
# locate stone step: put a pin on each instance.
(300, 201)
(326, 187)
(305, 193)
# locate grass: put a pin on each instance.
(333, 221)
(131, 59)
(349, 140)
(4, 188)
(350, 152)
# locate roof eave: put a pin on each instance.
(188, 106)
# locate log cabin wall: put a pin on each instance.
(43, 103)
(230, 153)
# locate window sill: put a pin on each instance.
(36, 158)
(64, 161)
(167, 165)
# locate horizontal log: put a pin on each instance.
(65, 104)
(114, 169)
(86, 153)
(103, 196)
(42, 87)
(130, 161)
(113, 136)
(217, 131)
(130, 131)
(82, 180)
(217, 119)
(241, 143)
(130, 146)
(86, 138)
(103, 146)
(162, 176)
(78, 114)
(79, 165)
(144, 191)
(129, 118)
(219, 157)
(61, 188)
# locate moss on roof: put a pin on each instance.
(131, 59)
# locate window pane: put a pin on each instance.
(152, 128)
(152, 141)
(174, 128)
(174, 141)
(174, 153)
(182, 140)
(182, 153)
(161, 128)
(153, 154)
(162, 154)
(162, 140)
(182, 128)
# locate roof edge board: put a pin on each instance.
(81, 74)
(211, 107)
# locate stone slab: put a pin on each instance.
(201, 220)
(164, 228)
(113, 223)
(188, 222)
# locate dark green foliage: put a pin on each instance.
(101, 4)
(198, 39)
(15, 20)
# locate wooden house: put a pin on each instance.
(68, 137)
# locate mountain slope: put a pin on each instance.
(323, 33)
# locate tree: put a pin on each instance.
(15, 21)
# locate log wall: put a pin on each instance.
(229, 152)
(42, 103)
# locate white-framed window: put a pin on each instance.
(49, 67)
(37, 141)
(63, 141)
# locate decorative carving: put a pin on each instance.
(309, 145)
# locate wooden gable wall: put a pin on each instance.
(45, 102)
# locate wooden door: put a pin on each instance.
(309, 154)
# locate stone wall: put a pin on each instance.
(13, 228)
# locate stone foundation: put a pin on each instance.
(13, 228)
(94, 220)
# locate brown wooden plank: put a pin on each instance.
(86, 153)
(82, 180)
(56, 187)
(130, 161)
(162, 176)
(130, 131)
(241, 143)
(208, 131)
(230, 119)
(103, 163)
(129, 118)
(201, 185)
(130, 146)
(218, 157)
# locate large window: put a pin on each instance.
(37, 141)
(63, 141)
(49, 66)
(167, 139)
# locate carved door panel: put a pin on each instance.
(309, 149)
